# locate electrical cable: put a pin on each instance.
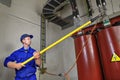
(51, 73)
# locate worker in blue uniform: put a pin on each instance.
(14, 61)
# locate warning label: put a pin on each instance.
(115, 58)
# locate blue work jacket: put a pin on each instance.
(19, 56)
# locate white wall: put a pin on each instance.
(54, 58)
(69, 57)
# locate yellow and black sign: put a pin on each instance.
(115, 58)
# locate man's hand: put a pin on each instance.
(37, 58)
(36, 55)
(15, 65)
(18, 66)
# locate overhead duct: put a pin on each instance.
(50, 12)
(53, 6)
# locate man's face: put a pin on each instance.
(26, 41)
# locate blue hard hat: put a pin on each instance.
(25, 35)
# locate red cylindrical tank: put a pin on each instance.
(88, 64)
(109, 43)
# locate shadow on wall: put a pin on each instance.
(6, 50)
(5, 73)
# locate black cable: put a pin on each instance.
(74, 8)
(89, 8)
(103, 2)
(98, 3)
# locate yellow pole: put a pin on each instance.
(58, 41)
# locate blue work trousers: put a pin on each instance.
(32, 77)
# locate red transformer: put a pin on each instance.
(88, 64)
(109, 45)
